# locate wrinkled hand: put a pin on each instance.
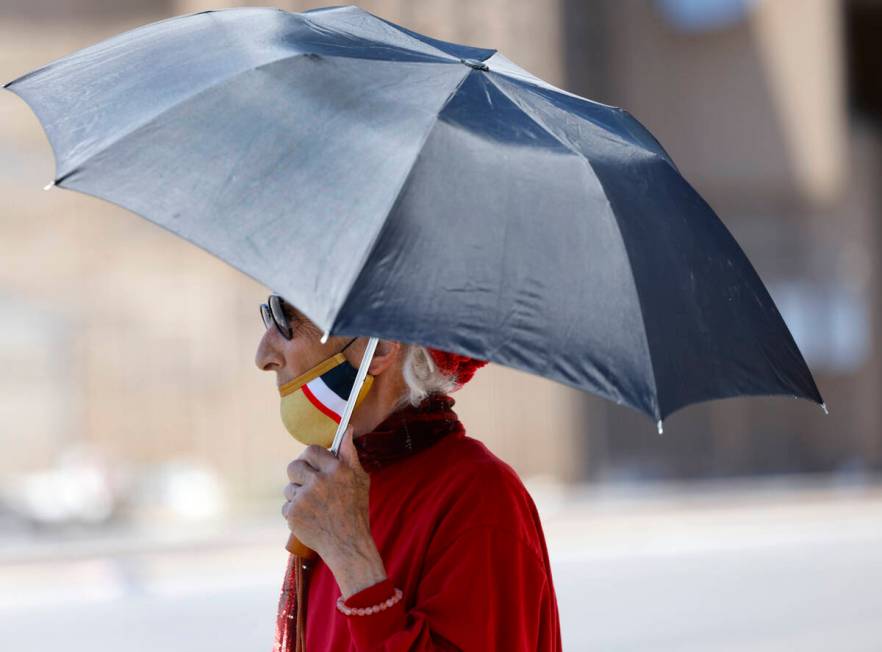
(327, 509)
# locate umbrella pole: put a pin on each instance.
(294, 546)
(353, 394)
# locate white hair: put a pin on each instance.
(422, 376)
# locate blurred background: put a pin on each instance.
(143, 459)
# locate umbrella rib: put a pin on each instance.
(535, 90)
(309, 18)
(585, 160)
(113, 40)
(79, 164)
(508, 68)
(373, 243)
(415, 36)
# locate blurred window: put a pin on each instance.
(703, 15)
(829, 321)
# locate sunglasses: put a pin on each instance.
(273, 312)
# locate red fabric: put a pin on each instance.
(461, 537)
(408, 431)
(461, 367)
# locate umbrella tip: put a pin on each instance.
(660, 427)
(49, 185)
(325, 337)
(824, 408)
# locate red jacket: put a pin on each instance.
(461, 537)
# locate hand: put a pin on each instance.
(327, 509)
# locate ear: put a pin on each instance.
(385, 356)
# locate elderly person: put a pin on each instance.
(425, 540)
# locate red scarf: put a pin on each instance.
(403, 433)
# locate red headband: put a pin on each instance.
(461, 367)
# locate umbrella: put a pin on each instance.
(399, 186)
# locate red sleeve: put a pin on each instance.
(484, 590)
(365, 630)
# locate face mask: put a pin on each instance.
(314, 402)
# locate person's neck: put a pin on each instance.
(383, 399)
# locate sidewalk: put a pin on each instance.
(768, 566)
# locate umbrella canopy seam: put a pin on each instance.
(308, 17)
(654, 407)
(534, 90)
(373, 244)
(502, 65)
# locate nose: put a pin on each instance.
(268, 356)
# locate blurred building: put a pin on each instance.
(772, 111)
(116, 334)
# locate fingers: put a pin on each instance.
(300, 471)
(290, 492)
(304, 472)
(319, 458)
(348, 452)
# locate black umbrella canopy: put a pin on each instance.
(395, 185)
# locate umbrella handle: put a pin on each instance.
(298, 549)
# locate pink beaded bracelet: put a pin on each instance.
(367, 611)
